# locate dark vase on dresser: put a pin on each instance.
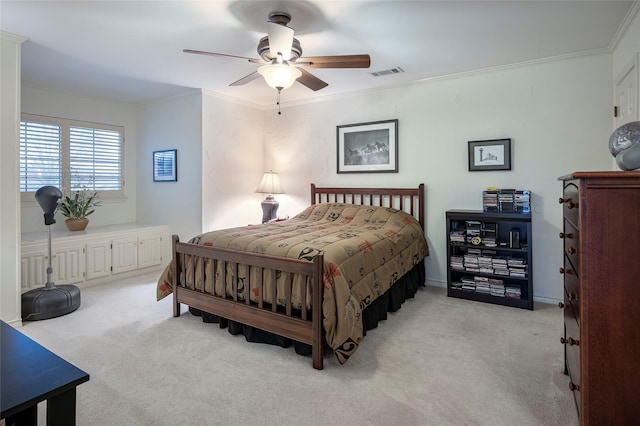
(601, 269)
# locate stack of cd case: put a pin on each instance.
(506, 201)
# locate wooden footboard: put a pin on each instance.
(300, 325)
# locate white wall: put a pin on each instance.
(627, 50)
(220, 157)
(10, 308)
(77, 107)
(232, 163)
(171, 123)
(558, 115)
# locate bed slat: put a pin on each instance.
(287, 293)
(304, 300)
(274, 293)
(260, 287)
(234, 282)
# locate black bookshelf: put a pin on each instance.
(489, 257)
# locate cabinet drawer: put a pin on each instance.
(570, 198)
(570, 237)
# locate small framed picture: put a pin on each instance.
(368, 147)
(165, 166)
(494, 154)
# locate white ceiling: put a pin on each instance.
(132, 50)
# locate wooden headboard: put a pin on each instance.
(410, 200)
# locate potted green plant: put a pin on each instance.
(77, 206)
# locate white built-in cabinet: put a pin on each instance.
(95, 255)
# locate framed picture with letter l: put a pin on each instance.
(493, 154)
(165, 166)
(368, 147)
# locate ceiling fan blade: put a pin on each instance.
(343, 61)
(224, 55)
(280, 40)
(246, 79)
(311, 81)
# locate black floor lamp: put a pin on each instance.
(51, 300)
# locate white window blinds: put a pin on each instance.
(40, 147)
(70, 155)
(94, 157)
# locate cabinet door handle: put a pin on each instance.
(563, 200)
(570, 341)
(569, 235)
(566, 271)
(562, 305)
(574, 387)
(572, 250)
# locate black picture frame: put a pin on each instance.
(368, 147)
(489, 155)
(165, 165)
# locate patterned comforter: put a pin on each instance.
(366, 249)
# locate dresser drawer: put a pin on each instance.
(573, 306)
(573, 365)
(572, 351)
(569, 200)
(571, 237)
(571, 309)
(569, 274)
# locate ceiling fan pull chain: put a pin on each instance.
(278, 101)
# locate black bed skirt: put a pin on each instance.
(405, 288)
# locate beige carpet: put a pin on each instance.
(438, 361)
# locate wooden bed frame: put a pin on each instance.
(301, 325)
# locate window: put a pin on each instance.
(70, 155)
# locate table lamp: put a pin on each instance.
(269, 185)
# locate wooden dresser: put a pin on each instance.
(601, 269)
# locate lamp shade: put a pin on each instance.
(270, 184)
(279, 76)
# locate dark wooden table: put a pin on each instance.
(31, 374)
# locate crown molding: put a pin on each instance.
(622, 29)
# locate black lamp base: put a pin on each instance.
(44, 303)
(269, 209)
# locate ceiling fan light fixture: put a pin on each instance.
(279, 76)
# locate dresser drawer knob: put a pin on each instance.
(566, 271)
(574, 387)
(572, 250)
(570, 341)
(569, 235)
(569, 202)
(562, 305)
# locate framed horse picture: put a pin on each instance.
(368, 147)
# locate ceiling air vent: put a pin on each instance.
(396, 70)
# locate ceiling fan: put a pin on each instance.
(280, 57)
